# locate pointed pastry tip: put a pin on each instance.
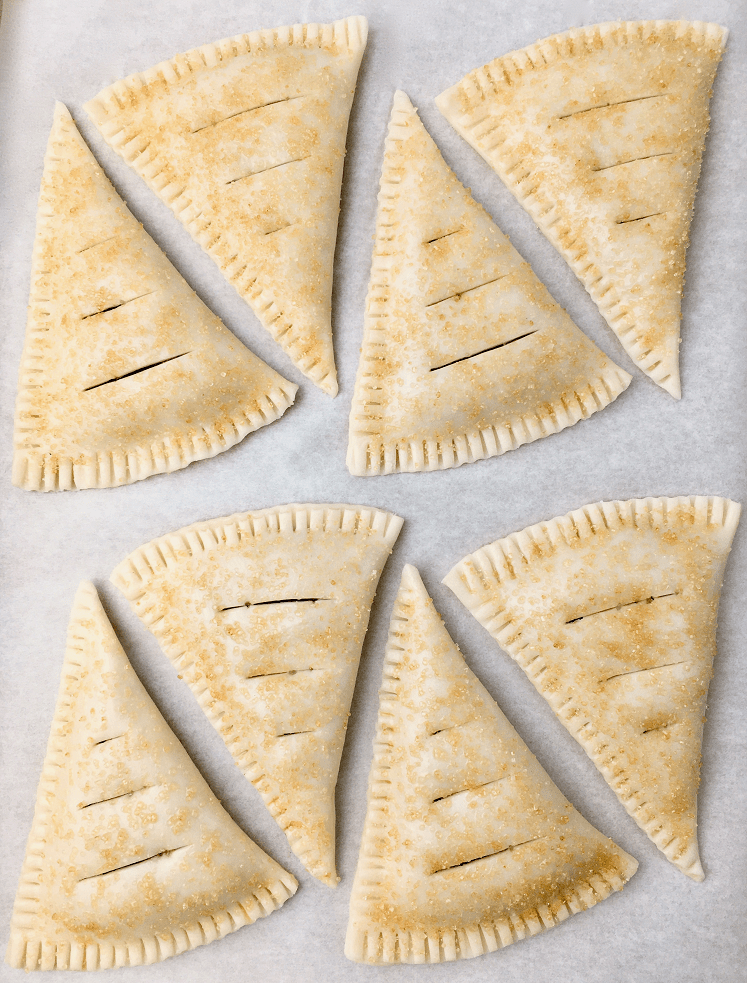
(329, 384)
(411, 578)
(401, 100)
(61, 112)
(672, 386)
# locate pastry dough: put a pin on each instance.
(245, 140)
(131, 858)
(611, 612)
(125, 373)
(465, 353)
(468, 845)
(599, 133)
(264, 615)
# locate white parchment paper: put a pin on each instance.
(662, 928)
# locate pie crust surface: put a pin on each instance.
(465, 353)
(264, 616)
(244, 139)
(467, 845)
(125, 373)
(611, 612)
(131, 858)
(599, 133)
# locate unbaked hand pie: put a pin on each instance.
(468, 845)
(131, 858)
(611, 612)
(599, 133)
(125, 373)
(244, 139)
(264, 616)
(465, 354)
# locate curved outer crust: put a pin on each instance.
(369, 451)
(396, 916)
(29, 950)
(215, 667)
(484, 580)
(115, 110)
(464, 106)
(39, 462)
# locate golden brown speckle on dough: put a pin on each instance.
(267, 628)
(602, 143)
(465, 354)
(115, 854)
(463, 825)
(617, 626)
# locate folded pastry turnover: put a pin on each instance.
(465, 354)
(131, 858)
(125, 373)
(264, 616)
(599, 133)
(244, 139)
(468, 846)
(611, 612)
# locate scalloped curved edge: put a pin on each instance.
(133, 573)
(446, 944)
(602, 288)
(369, 456)
(31, 953)
(125, 465)
(498, 562)
(350, 35)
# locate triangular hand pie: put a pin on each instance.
(125, 373)
(611, 612)
(244, 139)
(465, 354)
(131, 858)
(264, 615)
(468, 845)
(599, 133)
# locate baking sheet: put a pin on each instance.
(662, 927)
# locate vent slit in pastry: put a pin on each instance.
(111, 798)
(262, 170)
(486, 856)
(633, 672)
(641, 218)
(619, 607)
(606, 105)
(271, 670)
(628, 680)
(145, 368)
(460, 293)
(282, 672)
(446, 875)
(135, 863)
(444, 236)
(114, 307)
(158, 867)
(501, 344)
(281, 600)
(632, 160)
(92, 246)
(446, 287)
(471, 788)
(252, 109)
